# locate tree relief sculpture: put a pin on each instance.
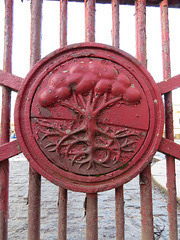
(87, 95)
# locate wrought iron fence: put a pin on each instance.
(165, 144)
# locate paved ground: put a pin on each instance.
(76, 225)
(159, 174)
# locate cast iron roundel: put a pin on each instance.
(89, 117)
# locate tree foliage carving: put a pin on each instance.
(87, 88)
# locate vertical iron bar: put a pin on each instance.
(62, 224)
(119, 192)
(119, 199)
(63, 195)
(34, 197)
(170, 162)
(5, 122)
(145, 176)
(146, 204)
(92, 217)
(35, 47)
(141, 31)
(63, 23)
(92, 198)
(115, 22)
(90, 20)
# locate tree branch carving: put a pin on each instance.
(88, 88)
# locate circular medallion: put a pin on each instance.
(89, 117)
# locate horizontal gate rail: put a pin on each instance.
(11, 81)
(171, 3)
(9, 150)
(167, 145)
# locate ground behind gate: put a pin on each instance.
(76, 228)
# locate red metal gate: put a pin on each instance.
(68, 125)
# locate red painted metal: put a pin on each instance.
(9, 80)
(145, 176)
(91, 217)
(5, 122)
(9, 149)
(156, 3)
(4, 193)
(76, 149)
(119, 192)
(91, 228)
(90, 20)
(166, 146)
(147, 230)
(34, 196)
(171, 179)
(63, 194)
(141, 31)
(115, 23)
(71, 128)
(119, 211)
(169, 84)
(62, 227)
(63, 23)
(35, 43)
(169, 147)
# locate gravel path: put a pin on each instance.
(76, 225)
